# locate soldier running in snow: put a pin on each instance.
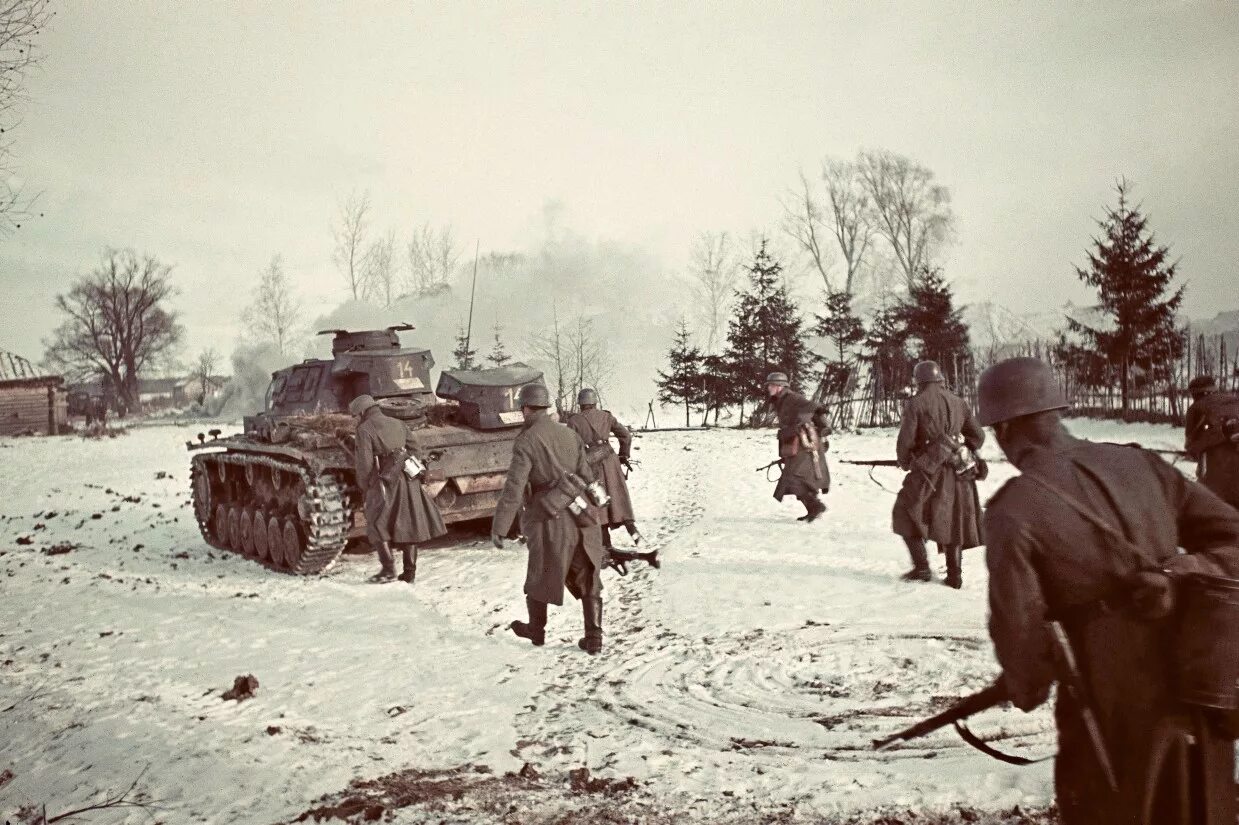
(938, 439)
(561, 553)
(1210, 433)
(398, 511)
(595, 427)
(802, 446)
(1049, 557)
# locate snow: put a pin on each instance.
(761, 660)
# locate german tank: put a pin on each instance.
(284, 492)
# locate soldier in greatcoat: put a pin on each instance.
(1047, 559)
(802, 446)
(936, 502)
(399, 513)
(1207, 441)
(561, 553)
(595, 427)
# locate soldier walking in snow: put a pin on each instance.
(595, 427)
(398, 511)
(561, 552)
(1087, 536)
(938, 438)
(802, 446)
(1211, 437)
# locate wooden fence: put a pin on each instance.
(867, 400)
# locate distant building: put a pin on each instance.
(30, 402)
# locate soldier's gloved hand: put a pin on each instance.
(496, 540)
(625, 462)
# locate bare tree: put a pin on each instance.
(21, 22)
(433, 256)
(350, 237)
(714, 268)
(276, 310)
(116, 323)
(912, 213)
(205, 366)
(852, 219)
(382, 278)
(576, 356)
(805, 222)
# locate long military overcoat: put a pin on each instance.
(1217, 458)
(595, 427)
(544, 449)
(397, 509)
(1045, 559)
(805, 473)
(935, 503)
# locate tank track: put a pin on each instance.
(302, 536)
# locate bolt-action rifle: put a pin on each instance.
(877, 462)
(618, 560)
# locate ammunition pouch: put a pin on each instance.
(598, 451)
(946, 451)
(569, 492)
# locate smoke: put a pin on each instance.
(252, 365)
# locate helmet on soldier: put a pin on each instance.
(587, 396)
(927, 372)
(361, 403)
(534, 395)
(1017, 387)
(1202, 385)
(779, 378)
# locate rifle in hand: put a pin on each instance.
(618, 560)
(992, 696)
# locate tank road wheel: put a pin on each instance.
(275, 541)
(262, 549)
(245, 532)
(200, 485)
(291, 540)
(219, 527)
(234, 528)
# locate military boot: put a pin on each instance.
(387, 569)
(954, 567)
(410, 564)
(535, 629)
(813, 507)
(591, 607)
(920, 571)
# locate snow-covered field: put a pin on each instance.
(749, 674)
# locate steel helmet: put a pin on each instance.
(361, 403)
(534, 395)
(1017, 387)
(1202, 384)
(927, 372)
(779, 378)
(587, 396)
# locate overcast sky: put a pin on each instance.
(214, 135)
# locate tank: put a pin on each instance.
(284, 491)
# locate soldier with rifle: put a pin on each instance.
(595, 427)
(1087, 536)
(399, 513)
(802, 446)
(937, 444)
(1211, 437)
(548, 467)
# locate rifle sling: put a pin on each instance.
(989, 750)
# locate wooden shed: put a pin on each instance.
(33, 405)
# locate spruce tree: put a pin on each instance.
(1132, 276)
(498, 354)
(681, 384)
(463, 354)
(844, 331)
(766, 333)
(886, 342)
(934, 324)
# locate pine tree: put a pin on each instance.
(463, 354)
(886, 342)
(934, 324)
(766, 333)
(844, 331)
(681, 384)
(498, 355)
(717, 389)
(1132, 277)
